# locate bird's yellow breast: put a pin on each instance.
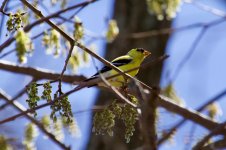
(119, 81)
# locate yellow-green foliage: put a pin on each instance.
(55, 40)
(104, 121)
(63, 107)
(74, 60)
(62, 2)
(112, 31)
(52, 42)
(163, 8)
(78, 58)
(72, 127)
(46, 122)
(129, 117)
(23, 46)
(46, 39)
(78, 29)
(33, 97)
(58, 130)
(117, 109)
(14, 22)
(4, 143)
(46, 94)
(214, 110)
(31, 133)
(25, 17)
(170, 92)
(57, 127)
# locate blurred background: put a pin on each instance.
(191, 33)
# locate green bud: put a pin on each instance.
(113, 31)
(33, 97)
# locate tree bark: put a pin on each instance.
(132, 16)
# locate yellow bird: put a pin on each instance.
(131, 60)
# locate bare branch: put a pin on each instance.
(201, 108)
(21, 93)
(215, 131)
(192, 115)
(188, 55)
(147, 118)
(21, 109)
(72, 41)
(118, 94)
(207, 8)
(38, 73)
(43, 19)
(41, 106)
(147, 34)
(65, 66)
(162, 102)
(221, 144)
(3, 6)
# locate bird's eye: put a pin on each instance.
(140, 50)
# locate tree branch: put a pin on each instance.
(201, 108)
(43, 19)
(217, 130)
(72, 41)
(163, 101)
(2, 7)
(21, 109)
(38, 73)
(147, 34)
(206, 8)
(65, 67)
(192, 115)
(216, 145)
(147, 117)
(19, 94)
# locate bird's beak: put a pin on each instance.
(146, 53)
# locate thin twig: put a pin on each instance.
(65, 66)
(151, 33)
(147, 117)
(3, 6)
(188, 145)
(188, 55)
(21, 108)
(71, 40)
(113, 89)
(39, 73)
(162, 101)
(206, 8)
(7, 53)
(190, 114)
(43, 19)
(217, 97)
(220, 144)
(213, 132)
(18, 95)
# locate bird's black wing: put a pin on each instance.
(116, 63)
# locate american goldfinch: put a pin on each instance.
(131, 60)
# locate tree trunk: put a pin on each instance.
(132, 16)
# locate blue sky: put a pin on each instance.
(201, 78)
